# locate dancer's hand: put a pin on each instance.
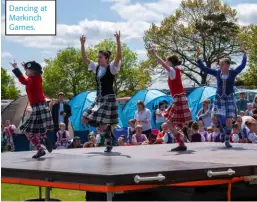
(243, 50)
(23, 64)
(84, 120)
(14, 64)
(117, 36)
(198, 52)
(82, 39)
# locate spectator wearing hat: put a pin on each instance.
(61, 112)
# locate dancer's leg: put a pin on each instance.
(179, 139)
(35, 140)
(47, 142)
(228, 131)
(108, 136)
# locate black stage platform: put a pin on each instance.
(130, 166)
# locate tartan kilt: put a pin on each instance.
(39, 121)
(225, 106)
(104, 110)
(179, 113)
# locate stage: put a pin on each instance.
(131, 168)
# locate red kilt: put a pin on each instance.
(179, 113)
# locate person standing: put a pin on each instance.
(241, 103)
(61, 111)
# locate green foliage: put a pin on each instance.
(248, 36)
(67, 72)
(8, 88)
(211, 26)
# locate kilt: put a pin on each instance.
(104, 110)
(179, 113)
(225, 106)
(39, 121)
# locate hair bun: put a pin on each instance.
(179, 62)
(109, 53)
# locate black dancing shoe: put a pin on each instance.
(48, 145)
(179, 148)
(39, 154)
(108, 149)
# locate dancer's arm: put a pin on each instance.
(118, 53)
(205, 69)
(19, 75)
(243, 64)
(83, 50)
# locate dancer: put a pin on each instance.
(9, 132)
(178, 114)
(40, 120)
(103, 112)
(224, 104)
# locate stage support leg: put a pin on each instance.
(47, 194)
(109, 195)
(40, 192)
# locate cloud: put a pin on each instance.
(6, 55)
(247, 13)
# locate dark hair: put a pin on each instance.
(106, 54)
(254, 116)
(161, 103)
(195, 126)
(226, 60)
(174, 60)
(254, 111)
(236, 126)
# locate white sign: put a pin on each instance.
(35, 17)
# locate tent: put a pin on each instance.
(79, 104)
(151, 99)
(196, 98)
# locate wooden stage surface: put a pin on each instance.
(93, 166)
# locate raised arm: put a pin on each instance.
(118, 52)
(205, 69)
(17, 72)
(153, 53)
(83, 50)
(243, 64)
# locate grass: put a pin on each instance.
(11, 192)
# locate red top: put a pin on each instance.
(34, 88)
(175, 85)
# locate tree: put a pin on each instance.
(67, 72)
(210, 25)
(248, 36)
(8, 88)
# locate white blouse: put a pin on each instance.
(114, 70)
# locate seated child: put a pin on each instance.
(9, 132)
(215, 136)
(252, 128)
(131, 130)
(165, 136)
(202, 130)
(196, 136)
(249, 110)
(236, 135)
(139, 138)
(62, 137)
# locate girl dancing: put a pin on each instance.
(103, 112)
(40, 121)
(178, 114)
(224, 105)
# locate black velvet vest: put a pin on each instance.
(104, 84)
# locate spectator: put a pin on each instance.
(76, 143)
(143, 118)
(131, 130)
(187, 131)
(121, 141)
(61, 111)
(62, 137)
(255, 102)
(249, 110)
(254, 111)
(196, 136)
(9, 133)
(205, 114)
(100, 139)
(88, 144)
(160, 119)
(91, 141)
(165, 136)
(209, 134)
(242, 103)
(252, 127)
(202, 130)
(243, 130)
(242, 113)
(236, 135)
(139, 138)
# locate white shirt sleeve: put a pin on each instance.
(165, 138)
(252, 137)
(67, 133)
(134, 139)
(202, 138)
(148, 115)
(115, 70)
(209, 137)
(235, 138)
(98, 139)
(57, 136)
(13, 127)
(172, 73)
(92, 66)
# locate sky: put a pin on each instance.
(98, 20)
